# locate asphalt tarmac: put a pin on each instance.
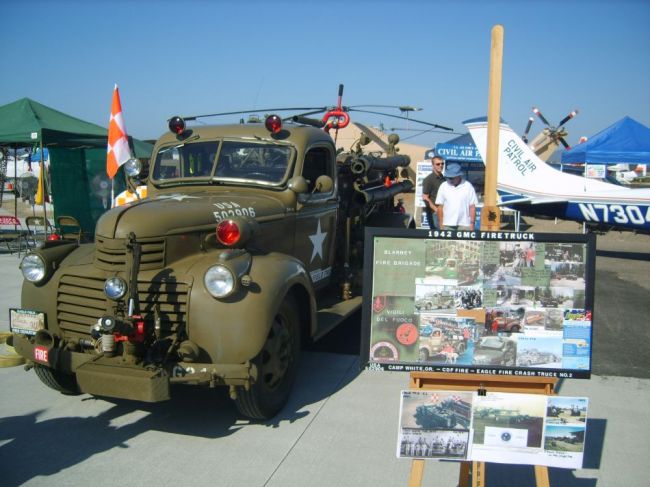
(340, 427)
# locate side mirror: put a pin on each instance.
(298, 185)
(324, 184)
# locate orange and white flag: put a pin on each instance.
(118, 151)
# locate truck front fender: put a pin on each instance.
(234, 329)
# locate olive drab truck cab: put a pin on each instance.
(248, 244)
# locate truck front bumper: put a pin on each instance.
(115, 377)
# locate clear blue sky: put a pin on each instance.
(189, 57)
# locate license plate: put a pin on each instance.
(26, 321)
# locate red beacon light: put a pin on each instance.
(273, 124)
(228, 233)
(177, 125)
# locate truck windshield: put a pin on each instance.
(235, 160)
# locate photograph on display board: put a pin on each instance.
(446, 339)
(495, 350)
(434, 424)
(470, 297)
(566, 410)
(447, 298)
(504, 319)
(564, 438)
(509, 420)
(543, 320)
(540, 351)
(435, 297)
(517, 293)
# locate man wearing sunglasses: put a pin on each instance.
(430, 186)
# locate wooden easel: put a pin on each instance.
(487, 383)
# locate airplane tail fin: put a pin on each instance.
(520, 170)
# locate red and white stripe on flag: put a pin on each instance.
(118, 145)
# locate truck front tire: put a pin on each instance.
(276, 365)
(57, 380)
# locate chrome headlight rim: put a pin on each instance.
(133, 168)
(219, 281)
(115, 288)
(33, 268)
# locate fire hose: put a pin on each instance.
(8, 356)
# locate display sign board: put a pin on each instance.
(506, 303)
(459, 153)
(499, 427)
(596, 171)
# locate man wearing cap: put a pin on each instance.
(430, 187)
(456, 201)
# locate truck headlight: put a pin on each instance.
(133, 168)
(115, 288)
(219, 281)
(33, 268)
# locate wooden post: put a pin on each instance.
(490, 214)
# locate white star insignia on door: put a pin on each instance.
(317, 241)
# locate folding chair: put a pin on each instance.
(38, 228)
(14, 235)
(69, 228)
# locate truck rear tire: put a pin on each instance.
(276, 365)
(54, 379)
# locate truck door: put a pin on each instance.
(315, 235)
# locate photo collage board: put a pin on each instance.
(479, 302)
(501, 427)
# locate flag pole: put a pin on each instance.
(44, 186)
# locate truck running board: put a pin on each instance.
(330, 317)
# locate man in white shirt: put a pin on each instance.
(456, 201)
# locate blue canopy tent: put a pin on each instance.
(627, 141)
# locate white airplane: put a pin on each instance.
(530, 185)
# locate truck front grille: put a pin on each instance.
(110, 253)
(81, 302)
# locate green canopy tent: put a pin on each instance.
(79, 184)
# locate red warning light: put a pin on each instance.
(177, 125)
(273, 124)
(228, 233)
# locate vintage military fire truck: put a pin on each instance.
(249, 243)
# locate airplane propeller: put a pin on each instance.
(567, 118)
(528, 125)
(557, 134)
